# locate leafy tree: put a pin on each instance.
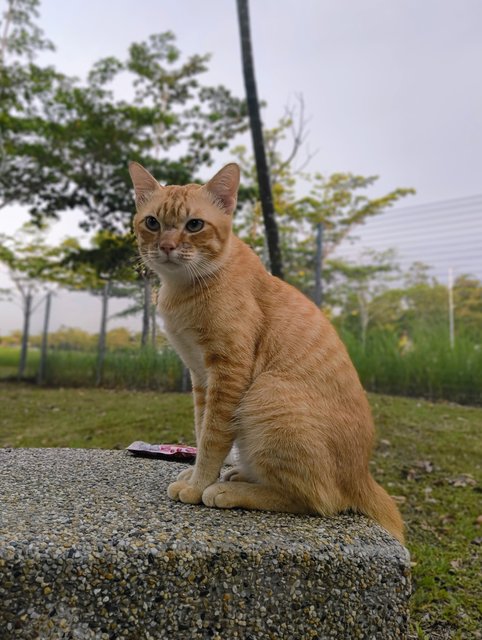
(69, 142)
(356, 289)
(468, 305)
(99, 269)
(30, 165)
(69, 339)
(337, 201)
(31, 265)
(416, 305)
(20, 36)
(143, 301)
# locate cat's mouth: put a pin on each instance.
(171, 261)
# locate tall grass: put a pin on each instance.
(10, 358)
(428, 368)
(145, 369)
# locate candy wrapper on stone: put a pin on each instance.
(175, 452)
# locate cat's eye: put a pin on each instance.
(152, 223)
(194, 225)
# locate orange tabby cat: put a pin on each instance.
(269, 372)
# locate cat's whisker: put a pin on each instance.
(198, 278)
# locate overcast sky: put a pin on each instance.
(391, 87)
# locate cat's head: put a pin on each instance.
(183, 232)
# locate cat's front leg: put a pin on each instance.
(199, 401)
(216, 437)
(199, 392)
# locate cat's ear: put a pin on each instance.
(144, 183)
(224, 187)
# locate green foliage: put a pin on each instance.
(468, 305)
(73, 339)
(123, 367)
(111, 257)
(418, 301)
(66, 143)
(140, 370)
(21, 37)
(338, 201)
(351, 288)
(423, 366)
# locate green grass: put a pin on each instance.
(100, 418)
(424, 451)
(142, 370)
(9, 359)
(430, 368)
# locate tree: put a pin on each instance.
(355, 289)
(30, 165)
(79, 136)
(142, 302)
(98, 269)
(336, 201)
(262, 169)
(20, 36)
(468, 305)
(32, 265)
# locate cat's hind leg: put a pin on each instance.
(236, 474)
(248, 495)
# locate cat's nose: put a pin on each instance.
(167, 246)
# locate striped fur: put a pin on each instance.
(269, 372)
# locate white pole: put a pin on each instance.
(451, 307)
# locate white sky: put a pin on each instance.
(392, 88)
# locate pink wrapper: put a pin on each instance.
(175, 452)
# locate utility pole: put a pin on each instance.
(451, 307)
(318, 298)
(264, 183)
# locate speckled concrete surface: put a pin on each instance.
(92, 548)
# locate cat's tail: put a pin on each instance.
(377, 504)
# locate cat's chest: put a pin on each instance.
(185, 342)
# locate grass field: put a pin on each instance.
(428, 455)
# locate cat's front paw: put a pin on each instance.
(182, 491)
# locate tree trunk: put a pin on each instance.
(43, 351)
(270, 224)
(153, 327)
(27, 312)
(185, 380)
(102, 335)
(146, 312)
(364, 318)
